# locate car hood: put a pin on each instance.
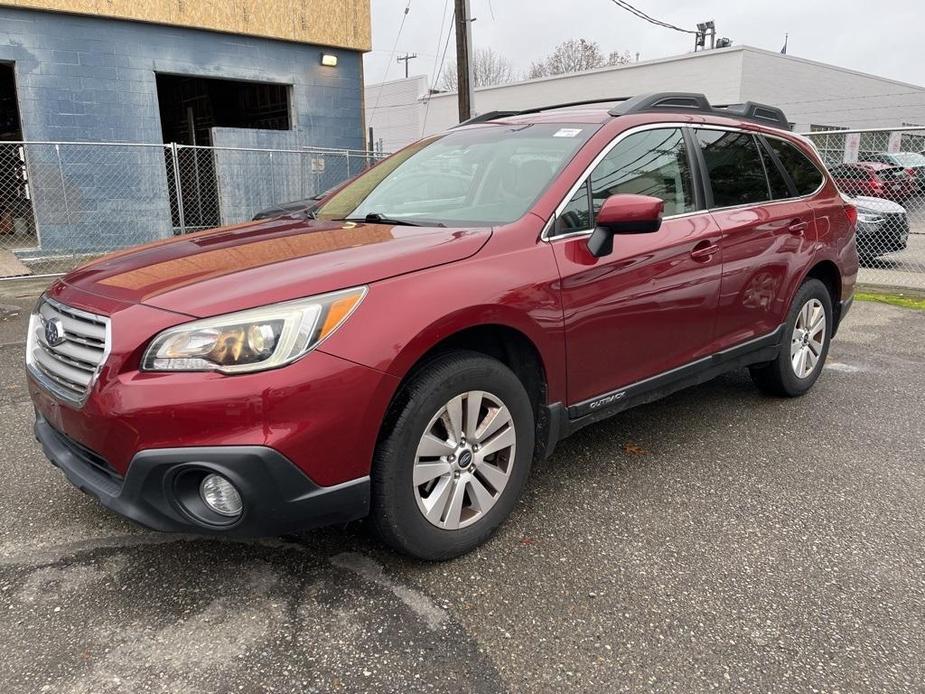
(866, 203)
(234, 268)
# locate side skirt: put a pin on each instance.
(572, 418)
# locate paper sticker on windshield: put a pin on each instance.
(567, 132)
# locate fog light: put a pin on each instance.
(220, 495)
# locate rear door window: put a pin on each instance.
(734, 166)
(806, 177)
(780, 189)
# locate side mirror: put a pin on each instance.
(624, 214)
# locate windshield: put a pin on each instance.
(481, 176)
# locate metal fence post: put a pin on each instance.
(67, 209)
(178, 187)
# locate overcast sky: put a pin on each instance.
(885, 38)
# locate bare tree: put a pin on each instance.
(488, 67)
(575, 55)
(618, 58)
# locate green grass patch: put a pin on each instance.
(893, 299)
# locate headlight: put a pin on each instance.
(868, 218)
(252, 340)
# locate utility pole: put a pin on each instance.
(406, 58)
(464, 73)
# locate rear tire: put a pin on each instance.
(807, 333)
(454, 459)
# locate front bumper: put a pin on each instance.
(888, 236)
(160, 487)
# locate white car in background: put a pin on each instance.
(883, 227)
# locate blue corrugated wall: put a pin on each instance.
(93, 79)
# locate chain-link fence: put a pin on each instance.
(64, 203)
(884, 171)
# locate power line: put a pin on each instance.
(439, 67)
(391, 56)
(652, 20)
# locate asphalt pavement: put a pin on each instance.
(716, 540)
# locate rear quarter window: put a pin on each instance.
(806, 176)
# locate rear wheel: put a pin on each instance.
(456, 459)
(807, 331)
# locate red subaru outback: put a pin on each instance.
(407, 349)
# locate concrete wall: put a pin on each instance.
(344, 23)
(813, 93)
(395, 111)
(90, 79)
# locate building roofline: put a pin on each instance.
(677, 58)
(606, 68)
(829, 66)
(397, 80)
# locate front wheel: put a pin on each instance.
(807, 332)
(456, 457)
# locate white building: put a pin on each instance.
(815, 96)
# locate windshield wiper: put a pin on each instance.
(379, 218)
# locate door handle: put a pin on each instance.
(704, 250)
(797, 227)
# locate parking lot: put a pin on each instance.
(714, 540)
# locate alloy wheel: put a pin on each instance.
(464, 459)
(808, 338)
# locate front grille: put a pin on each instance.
(69, 365)
(897, 222)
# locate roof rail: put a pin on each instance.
(698, 103)
(689, 102)
(569, 104)
(491, 115)
(760, 113)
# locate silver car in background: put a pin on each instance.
(883, 227)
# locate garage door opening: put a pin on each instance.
(17, 224)
(190, 107)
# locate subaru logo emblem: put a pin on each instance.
(54, 332)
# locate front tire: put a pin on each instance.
(807, 334)
(455, 459)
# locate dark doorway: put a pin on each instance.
(17, 224)
(9, 109)
(190, 107)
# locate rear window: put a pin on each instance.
(895, 172)
(806, 177)
(849, 172)
(734, 165)
(909, 159)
